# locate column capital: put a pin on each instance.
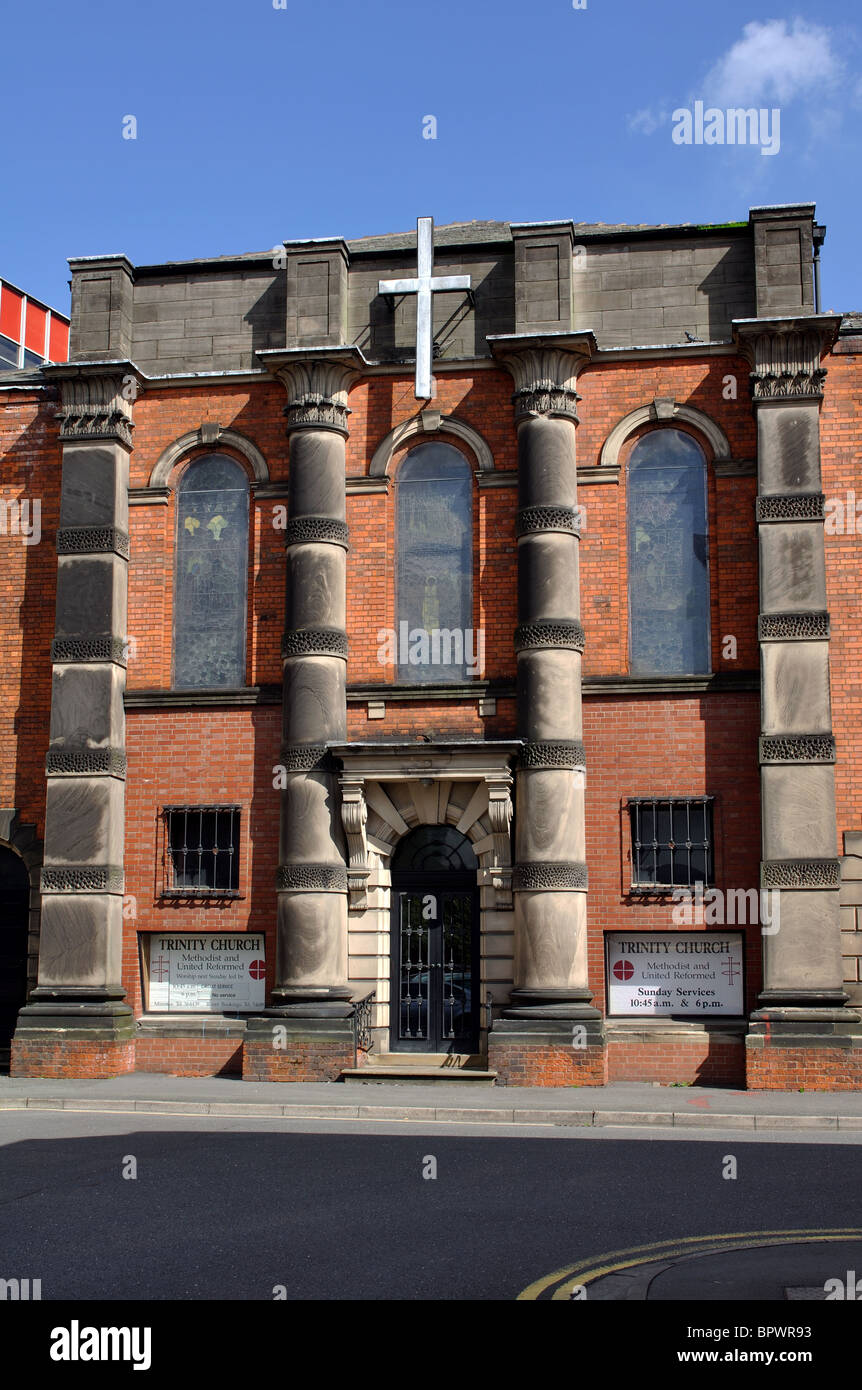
(317, 381)
(545, 369)
(785, 354)
(96, 399)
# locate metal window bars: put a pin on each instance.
(672, 842)
(201, 851)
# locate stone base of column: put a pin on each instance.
(74, 1039)
(574, 1004)
(283, 1045)
(549, 1051)
(792, 1049)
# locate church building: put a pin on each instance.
(439, 652)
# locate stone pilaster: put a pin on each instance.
(549, 878)
(803, 999)
(311, 996)
(77, 1021)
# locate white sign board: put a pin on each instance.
(208, 973)
(694, 973)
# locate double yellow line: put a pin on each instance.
(588, 1271)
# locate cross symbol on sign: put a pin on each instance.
(424, 286)
(257, 969)
(728, 969)
(624, 970)
(161, 969)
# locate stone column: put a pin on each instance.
(311, 997)
(77, 1022)
(549, 880)
(802, 1002)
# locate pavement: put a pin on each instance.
(623, 1103)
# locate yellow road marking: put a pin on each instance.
(587, 1271)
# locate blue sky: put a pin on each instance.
(256, 124)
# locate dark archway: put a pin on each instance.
(14, 923)
(435, 943)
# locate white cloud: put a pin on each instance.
(774, 62)
(647, 121)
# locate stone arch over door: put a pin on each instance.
(389, 793)
(21, 840)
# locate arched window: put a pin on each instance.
(667, 542)
(211, 574)
(433, 847)
(434, 505)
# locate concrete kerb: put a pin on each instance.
(497, 1115)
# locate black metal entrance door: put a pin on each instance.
(14, 912)
(435, 943)
(436, 982)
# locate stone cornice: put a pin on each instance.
(96, 399)
(545, 369)
(785, 354)
(317, 381)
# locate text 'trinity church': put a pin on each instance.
(439, 652)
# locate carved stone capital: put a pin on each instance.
(800, 873)
(793, 627)
(307, 757)
(302, 529)
(553, 753)
(797, 748)
(311, 878)
(794, 506)
(564, 632)
(86, 762)
(544, 373)
(552, 877)
(354, 816)
(93, 540)
(314, 641)
(785, 355)
(83, 878)
(317, 383)
(96, 399)
(537, 520)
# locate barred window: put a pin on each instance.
(672, 842)
(201, 851)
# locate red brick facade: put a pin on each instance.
(682, 741)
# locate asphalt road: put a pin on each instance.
(229, 1209)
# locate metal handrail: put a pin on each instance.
(362, 1038)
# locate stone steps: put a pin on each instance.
(421, 1068)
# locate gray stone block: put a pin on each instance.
(87, 592)
(81, 941)
(792, 567)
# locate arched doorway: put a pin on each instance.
(435, 943)
(14, 920)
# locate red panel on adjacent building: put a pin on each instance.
(10, 313)
(34, 335)
(58, 340)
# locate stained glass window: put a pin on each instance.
(667, 544)
(211, 575)
(435, 636)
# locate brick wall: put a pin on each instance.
(30, 456)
